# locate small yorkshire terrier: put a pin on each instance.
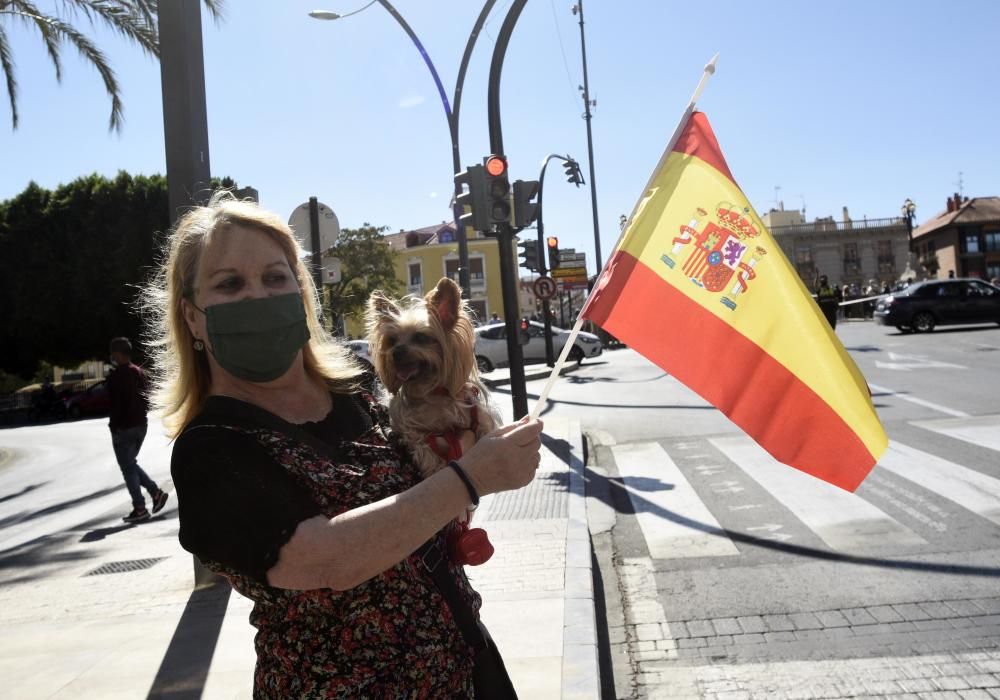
(424, 353)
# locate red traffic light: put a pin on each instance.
(552, 242)
(524, 324)
(496, 166)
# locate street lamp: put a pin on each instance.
(909, 209)
(450, 115)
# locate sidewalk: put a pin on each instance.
(141, 631)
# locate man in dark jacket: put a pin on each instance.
(829, 299)
(127, 387)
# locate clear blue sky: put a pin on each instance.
(854, 103)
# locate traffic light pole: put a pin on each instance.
(505, 233)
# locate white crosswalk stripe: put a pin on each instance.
(968, 488)
(845, 521)
(980, 430)
(674, 521)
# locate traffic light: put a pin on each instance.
(529, 251)
(525, 211)
(472, 199)
(523, 335)
(573, 174)
(497, 192)
(553, 243)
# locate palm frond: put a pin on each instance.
(7, 63)
(91, 54)
(121, 16)
(30, 15)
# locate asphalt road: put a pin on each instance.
(708, 533)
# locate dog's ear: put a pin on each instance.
(380, 305)
(445, 301)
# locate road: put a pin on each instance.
(725, 571)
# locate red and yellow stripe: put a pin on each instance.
(772, 364)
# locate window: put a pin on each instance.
(852, 261)
(804, 264)
(475, 269)
(496, 333)
(992, 241)
(949, 289)
(446, 236)
(993, 270)
(416, 280)
(885, 258)
(972, 243)
(478, 308)
(979, 289)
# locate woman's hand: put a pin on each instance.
(505, 459)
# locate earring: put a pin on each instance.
(198, 345)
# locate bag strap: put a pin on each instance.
(433, 558)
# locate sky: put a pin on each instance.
(819, 105)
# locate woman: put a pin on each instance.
(290, 486)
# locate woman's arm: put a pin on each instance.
(342, 552)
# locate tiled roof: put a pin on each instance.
(976, 210)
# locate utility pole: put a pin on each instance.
(185, 129)
(505, 233)
(578, 10)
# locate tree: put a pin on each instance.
(72, 263)
(367, 263)
(136, 20)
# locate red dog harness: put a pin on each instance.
(453, 437)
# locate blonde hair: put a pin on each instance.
(181, 378)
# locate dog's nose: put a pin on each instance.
(399, 353)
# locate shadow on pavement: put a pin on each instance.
(185, 665)
(612, 492)
(24, 516)
(26, 489)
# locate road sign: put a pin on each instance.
(545, 287)
(329, 227)
(331, 270)
(562, 272)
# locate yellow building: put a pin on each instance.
(425, 255)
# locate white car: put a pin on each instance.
(491, 345)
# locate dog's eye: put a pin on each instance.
(422, 339)
(388, 342)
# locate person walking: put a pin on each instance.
(828, 299)
(126, 388)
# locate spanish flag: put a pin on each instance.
(698, 285)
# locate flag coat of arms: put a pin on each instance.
(698, 285)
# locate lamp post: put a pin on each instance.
(577, 9)
(909, 209)
(576, 178)
(452, 116)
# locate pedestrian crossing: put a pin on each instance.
(680, 491)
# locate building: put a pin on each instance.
(847, 252)
(963, 240)
(425, 255)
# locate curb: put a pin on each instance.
(581, 675)
(528, 376)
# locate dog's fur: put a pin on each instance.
(424, 353)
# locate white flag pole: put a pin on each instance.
(706, 74)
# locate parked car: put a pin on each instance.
(491, 345)
(924, 305)
(92, 401)
(360, 349)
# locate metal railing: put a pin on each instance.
(840, 226)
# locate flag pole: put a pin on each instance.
(568, 345)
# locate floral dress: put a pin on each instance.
(244, 480)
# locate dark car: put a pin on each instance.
(924, 305)
(93, 401)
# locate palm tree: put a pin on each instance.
(136, 20)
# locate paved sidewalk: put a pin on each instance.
(71, 632)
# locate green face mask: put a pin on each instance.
(257, 339)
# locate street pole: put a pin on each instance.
(185, 130)
(590, 142)
(317, 254)
(505, 233)
(550, 357)
(452, 116)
